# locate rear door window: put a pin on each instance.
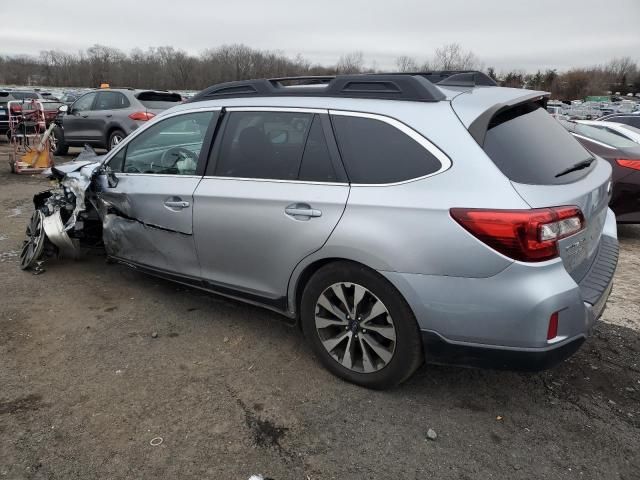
(316, 161)
(375, 152)
(529, 146)
(267, 145)
(111, 101)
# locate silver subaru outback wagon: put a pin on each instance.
(396, 218)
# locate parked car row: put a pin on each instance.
(619, 145)
(103, 118)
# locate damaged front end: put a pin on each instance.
(66, 218)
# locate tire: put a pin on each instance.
(400, 346)
(58, 145)
(115, 138)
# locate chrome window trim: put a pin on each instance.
(277, 109)
(273, 180)
(445, 161)
(142, 174)
(148, 125)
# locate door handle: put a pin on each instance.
(108, 115)
(84, 116)
(176, 203)
(302, 210)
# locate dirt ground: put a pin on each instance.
(232, 391)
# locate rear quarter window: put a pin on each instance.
(375, 152)
(164, 100)
(529, 146)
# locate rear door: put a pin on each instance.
(151, 202)
(549, 168)
(273, 192)
(76, 122)
(101, 115)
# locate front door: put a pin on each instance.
(149, 197)
(272, 195)
(76, 123)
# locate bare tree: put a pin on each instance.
(350, 63)
(406, 64)
(453, 57)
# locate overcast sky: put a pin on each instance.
(502, 33)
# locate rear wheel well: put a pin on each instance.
(110, 130)
(309, 271)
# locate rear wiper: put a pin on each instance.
(577, 166)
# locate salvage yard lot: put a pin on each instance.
(233, 391)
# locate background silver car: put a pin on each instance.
(396, 218)
(102, 118)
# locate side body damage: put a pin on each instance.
(75, 215)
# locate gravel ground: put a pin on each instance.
(232, 391)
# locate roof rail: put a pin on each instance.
(455, 78)
(373, 86)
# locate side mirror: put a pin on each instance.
(63, 108)
(112, 180)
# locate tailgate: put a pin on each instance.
(591, 195)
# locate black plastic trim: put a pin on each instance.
(439, 351)
(279, 303)
(600, 276)
(478, 128)
(372, 86)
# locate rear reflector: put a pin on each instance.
(552, 331)
(525, 235)
(626, 162)
(142, 116)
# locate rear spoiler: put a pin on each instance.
(478, 128)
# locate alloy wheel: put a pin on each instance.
(355, 327)
(115, 140)
(34, 244)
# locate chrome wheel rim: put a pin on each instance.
(34, 243)
(115, 140)
(53, 142)
(355, 327)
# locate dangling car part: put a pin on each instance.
(61, 213)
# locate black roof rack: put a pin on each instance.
(455, 78)
(376, 86)
(416, 86)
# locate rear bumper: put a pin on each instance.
(438, 351)
(502, 321)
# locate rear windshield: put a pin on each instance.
(159, 99)
(599, 135)
(529, 146)
(24, 95)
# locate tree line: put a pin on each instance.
(174, 69)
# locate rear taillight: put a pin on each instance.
(628, 163)
(142, 116)
(16, 108)
(526, 235)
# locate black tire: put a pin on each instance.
(114, 138)
(408, 354)
(58, 145)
